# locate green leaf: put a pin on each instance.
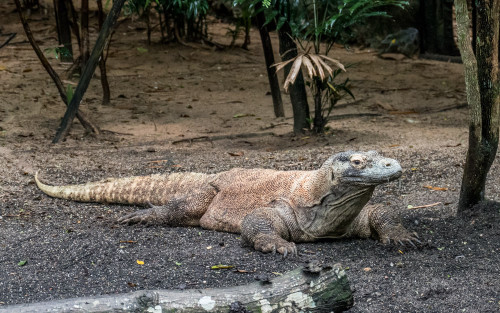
(22, 263)
(178, 263)
(142, 50)
(69, 93)
(242, 115)
(221, 266)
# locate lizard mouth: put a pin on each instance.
(361, 180)
(384, 171)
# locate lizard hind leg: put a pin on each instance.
(178, 211)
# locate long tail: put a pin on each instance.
(155, 189)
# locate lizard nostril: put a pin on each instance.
(388, 164)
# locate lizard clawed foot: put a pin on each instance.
(146, 216)
(400, 236)
(273, 244)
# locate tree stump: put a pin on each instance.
(326, 290)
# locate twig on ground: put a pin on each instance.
(11, 36)
(213, 138)
(425, 206)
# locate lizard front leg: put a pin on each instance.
(266, 230)
(376, 221)
(178, 211)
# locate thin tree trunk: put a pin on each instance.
(481, 78)
(74, 21)
(269, 56)
(449, 47)
(298, 95)
(319, 119)
(474, 25)
(161, 26)
(84, 23)
(247, 21)
(63, 30)
(106, 95)
(436, 28)
(88, 71)
(86, 123)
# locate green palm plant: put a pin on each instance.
(317, 25)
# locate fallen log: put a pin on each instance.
(326, 290)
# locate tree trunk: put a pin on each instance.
(85, 41)
(298, 95)
(88, 71)
(481, 79)
(106, 94)
(269, 56)
(74, 21)
(319, 119)
(295, 291)
(63, 30)
(436, 29)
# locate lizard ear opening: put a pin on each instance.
(333, 176)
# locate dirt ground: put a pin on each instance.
(411, 110)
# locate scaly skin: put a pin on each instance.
(271, 209)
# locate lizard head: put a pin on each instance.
(362, 168)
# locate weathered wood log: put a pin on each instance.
(295, 291)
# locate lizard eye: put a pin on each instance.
(358, 161)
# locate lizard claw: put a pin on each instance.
(401, 236)
(140, 217)
(273, 244)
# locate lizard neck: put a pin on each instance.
(332, 217)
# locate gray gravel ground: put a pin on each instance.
(75, 249)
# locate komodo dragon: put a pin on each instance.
(271, 209)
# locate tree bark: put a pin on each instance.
(269, 56)
(106, 94)
(295, 291)
(482, 86)
(298, 95)
(74, 21)
(63, 30)
(319, 120)
(89, 69)
(436, 29)
(84, 25)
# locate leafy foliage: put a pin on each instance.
(186, 16)
(317, 24)
(327, 21)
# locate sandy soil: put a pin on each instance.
(411, 110)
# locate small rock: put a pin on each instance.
(263, 278)
(237, 307)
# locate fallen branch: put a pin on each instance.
(346, 116)
(446, 108)
(425, 206)
(296, 291)
(10, 37)
(213, 138)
